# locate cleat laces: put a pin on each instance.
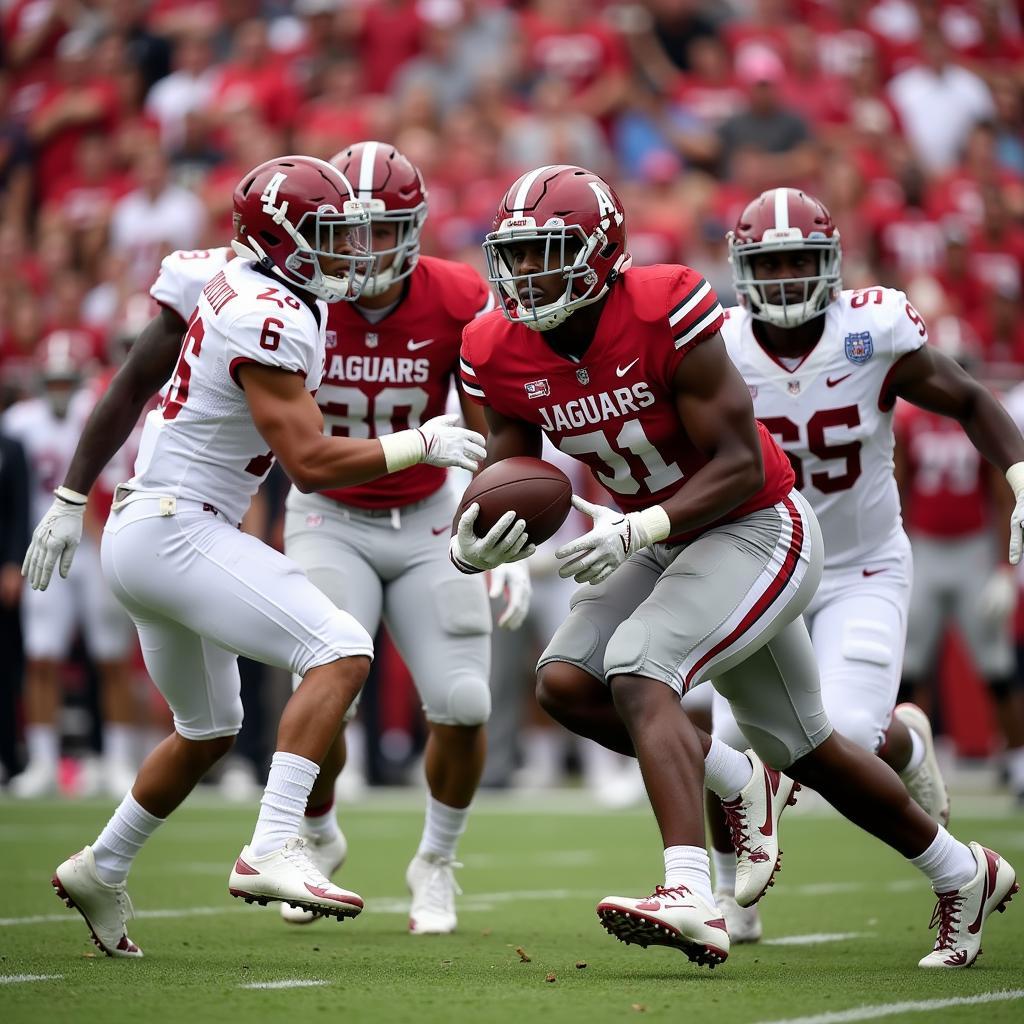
(676, 892)
(946, 916)
(296, 852)
(736, 820)
(441, 886)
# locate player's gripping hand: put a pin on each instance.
(56, 537)
(448, 444)
(513, 580)
(615, 536)
(506, 541)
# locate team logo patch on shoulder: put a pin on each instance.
(583, 376)
(859, 347)
(752, 388)
(537, 388)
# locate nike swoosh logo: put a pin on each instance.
(413, 345)
(621, 371)
(873, 572)
(439, 530)
(990, 886)
(771, 779)
(317, 890)
(832, 383)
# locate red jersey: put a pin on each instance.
(396, 373)
(947, 491)
(614, 410)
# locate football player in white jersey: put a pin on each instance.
(824, 368)
(48, 426)
(202, 592)
(380, 550)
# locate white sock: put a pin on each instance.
(442, 828)
(283, 803)
(1015, 768)
(322, 823)
(119, 843)
(916, 752)
(948, 863)
(725, 871)
(43, 745)
(689, 866)
(726, 771)
(119, 743)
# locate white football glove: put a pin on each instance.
(998, 599)
(506, 541)
(616, 535)
(1015, 478)
(56, 537)
(450, 445)
(513, 580)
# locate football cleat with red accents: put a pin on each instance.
(924, 783)
(289, 874)
(673, 917)
(753, 820)
(744, 923)
(960, 914)
(328, 855)
(105, 907)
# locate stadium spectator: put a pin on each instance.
(186, 90)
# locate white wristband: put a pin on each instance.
(70, 496)
(656, 522)
(402, 450)
(1015, 478)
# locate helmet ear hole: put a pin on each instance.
(269, 238)
(608, 250)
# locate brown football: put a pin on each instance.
(537, 491)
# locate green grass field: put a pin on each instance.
(852, 916)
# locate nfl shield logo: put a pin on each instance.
(582, 376)
(752, 388)
(859, 347)
(371, 339)
(537, 388)
(794, 387)
(332, 338)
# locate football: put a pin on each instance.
(537, 491)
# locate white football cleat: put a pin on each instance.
(744, 923)
(431, 880)
(924, 783)
(37, 780)
(960, 914)
(328, 855)
(289, 874)
(673, 917)
(753, 820)
(105, 907)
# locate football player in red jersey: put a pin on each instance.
(704, 572)
(379, 550)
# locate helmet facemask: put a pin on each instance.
(818, 291)
(567, 252)
(405, 253)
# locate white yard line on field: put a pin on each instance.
(812, 939)
(286, 983)
(891, 1009)
(18, 979)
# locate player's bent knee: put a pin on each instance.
(858, 726)
(469, 704)
(558, 687)
(626, 653)
(209, 749)
(342, 639)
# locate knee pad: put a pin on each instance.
(469, 703)
(626, 652)
(341, 637)
(858, 726)
(575, 641)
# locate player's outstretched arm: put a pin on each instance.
(937, 383)
(148, 366)
(290, 421)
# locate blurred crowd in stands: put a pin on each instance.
(124, 126)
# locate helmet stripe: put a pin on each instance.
(366, 170)
(782, 209)
(519, 203)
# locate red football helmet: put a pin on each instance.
(580, 220)
(294, 212)
(64, 357)
(785, 219)
(392, 189)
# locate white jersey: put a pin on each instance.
(201, 443)
(182, 276)
(831, 417)
(49, 442)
